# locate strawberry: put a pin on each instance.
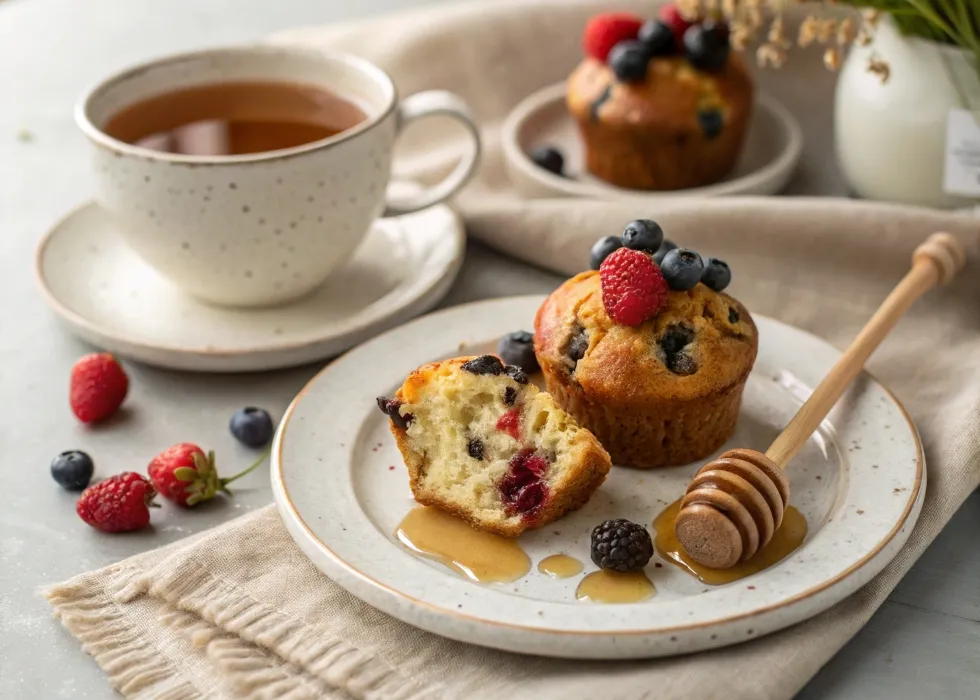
(633, 288)
(98, 387)
(118, 504)
(672, 17)
(604, 31)
(186, 475)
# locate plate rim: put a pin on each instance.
(515, 157)
(286, 507)
(90, 330)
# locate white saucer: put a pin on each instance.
(341, 488)
(772, 149)
(109, 297)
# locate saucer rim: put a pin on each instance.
(771, 178)
(95, 334)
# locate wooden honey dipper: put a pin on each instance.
(735, 503)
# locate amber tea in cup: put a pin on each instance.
(234, 118)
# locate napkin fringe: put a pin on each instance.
(133, 665)
(189, 586)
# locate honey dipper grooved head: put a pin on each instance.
(731, 509)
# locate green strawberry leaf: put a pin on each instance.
(185, 474)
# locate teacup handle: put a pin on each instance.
(430, 103)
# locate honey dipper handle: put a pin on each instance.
(938, 259)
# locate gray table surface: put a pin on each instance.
(924, 640)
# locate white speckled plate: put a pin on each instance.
(860, 483)
(108, 296)
(772, 149)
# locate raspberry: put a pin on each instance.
(118, 504)
(604, 31)
(98, 387)
(633, 289)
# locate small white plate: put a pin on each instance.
(108, 296)
(341, 489)
(772, 149)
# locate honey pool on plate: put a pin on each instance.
(560, 566)
(613, 587)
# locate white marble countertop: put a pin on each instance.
(923, 642)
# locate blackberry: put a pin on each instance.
(518, 349)
(621, 545)
(485, 364)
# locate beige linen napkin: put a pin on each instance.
(239, 612)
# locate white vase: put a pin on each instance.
(891, 137)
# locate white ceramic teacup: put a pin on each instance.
(262, 228)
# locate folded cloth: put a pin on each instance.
(240, 612)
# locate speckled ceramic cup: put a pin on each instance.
(261, 228)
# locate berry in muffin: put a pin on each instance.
(483, 443)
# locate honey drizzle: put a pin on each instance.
(605, 586)
(479, 556)
(787, 538)
(560, 566)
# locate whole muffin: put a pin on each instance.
(654, 114)
(664, 392)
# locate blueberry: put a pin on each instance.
(549, 158)
(716, 274)
(733, 316)
(252, 426)
(682, 364)
(390, 407)
(711, 122)
(676, 338)
(602, 249)
(518, 349)
(628, 60)
(706, 46)
(475, 448)
(72, 469)
(681, 269)
(658, 37)
(517, 374)
(510, 396)
(485, 364)
(643, 234)
(578, 344)
(664, 248)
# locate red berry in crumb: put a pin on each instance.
(604, 31)
(633, 289)
(671, 16)
(186, 475)
(98, 387)
(118, 504)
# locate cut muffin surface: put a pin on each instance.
(483, 443)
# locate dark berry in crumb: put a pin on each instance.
(711, 122)
(602, 248)
(252, 426)
(658, 37)
(621, 546)
(578, 345)
(517, 374)
(549, 158)
(643, 234)
(518, 349)
(681, 269)
(510, 396)
(676, 338)
(485, 364)
(475, 448)
(733, 315)
(682, 364)
(72, 469)
(629, 59)
(390, 407)
(664, 248)
(706, 46)
(716, 274)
